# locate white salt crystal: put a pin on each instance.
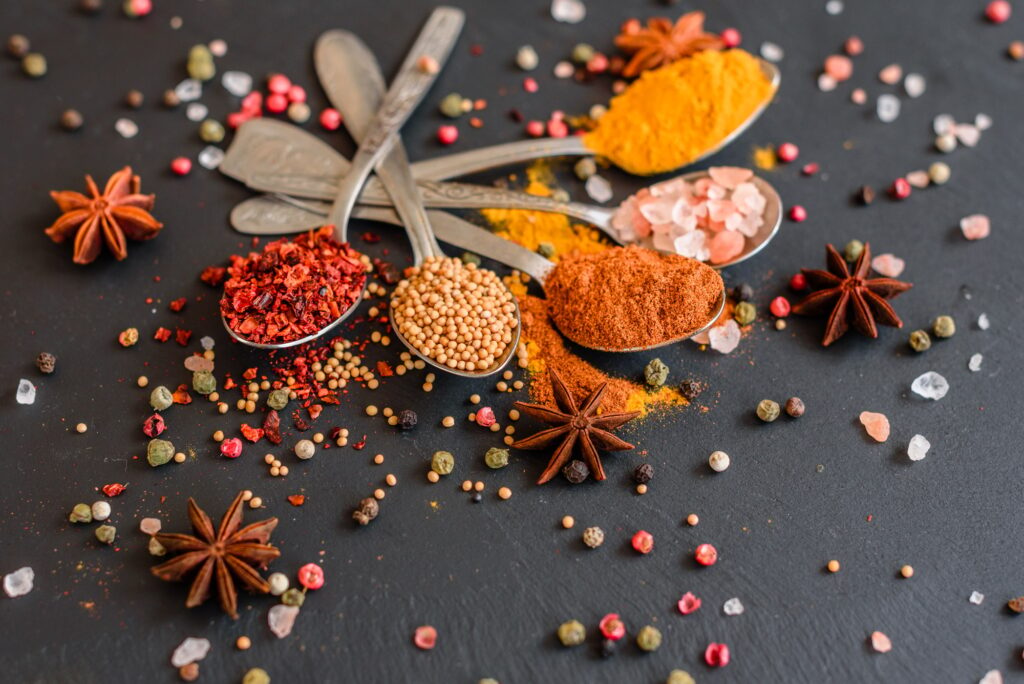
(218, 47)
(930, 385)
(207, 342)
(238, 83)
(983, 122)
(733, 607)
(887, 108)
(983, 322)
(977, 597)
(196, 111)
(725, 338)
(967, 134)
(943, 123)
(210, 157)
(189, 90)
(126, 128)
(281, 619)
(190, 650)
(974, 365)
(150, 525)
(599, 189)
(914, 84)
(834, 7)
(826, 83)
(918, 447)
(568, 11)
(26, 392)
(992, 677)
(564, 69)
(772, 52)
(19, 582)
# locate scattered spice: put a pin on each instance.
(572, 633)
(593, 537)
(768, 410)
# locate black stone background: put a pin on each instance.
(497, 578)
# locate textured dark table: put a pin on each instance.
(497, 578)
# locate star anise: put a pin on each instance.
(574, 424)
(119, 212)
(663, 42)
(852, 297)
(230, 554)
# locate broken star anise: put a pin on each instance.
(119, 212)
(663, 42)
(852, 297)
(224, 556)
(574, 424)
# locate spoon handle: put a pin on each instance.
(497, 156)
(434, 43)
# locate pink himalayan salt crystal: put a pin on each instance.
(730, 176)
(975, 226)
(888, 265)
(149, 526)
(992, 677)
(919, 179)
(725, 245)
(198, 363)
(281, 619)
(859, 96)
(880, 642)
(724, 338)
(967, 134)
(876, 424)
(839, 67)
(891, 74)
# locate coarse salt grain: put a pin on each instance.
(930, 385)
(974, 364)
(126, 128)
(196, 111)
(887, 108)
(190, 650)
(772, 52)
(281, 619)
(733, 607)
(888, 265)
(976, 598)
(975, 226)
(19, 582)
(725, 338)
(876, 425)
(918, 447)
(598, 189)
(983, 322)
(891, 74)
(880, 642)
(914, 85)
(568, 11)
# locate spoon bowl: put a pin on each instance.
(302, 340)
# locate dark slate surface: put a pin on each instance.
(497, 578)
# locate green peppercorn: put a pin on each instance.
(200, 63)
(211, 131)
(853, 249)
(256, 675)
(546, 249)
(203, 382)
(293, 597)
(655, 373)
(81, 513)
(470, 258)
(34, 65)
(442, 463)
(488, 680)
(277, 399)
(744, 313)
(768, 410)
(560, 195)
(680, 677)
(106, 533)
(583, 53)
(451, 106)
(648, 638)
(159, 452)
(585, 168)
(920, 341)
(496, 458)
(161, 398)
(572, 633)
(944, 326)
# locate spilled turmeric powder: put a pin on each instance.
(672, 115)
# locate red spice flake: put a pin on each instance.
(213, 275)
(311, 576)
(360, 445)
(387, 271)
(612, 627)
(384, 369)
(249, 374)
(370, 238)
(328, 398)
(706, 554)
(128, 337)
(154, 425)
(272, 427)
(182, 336)
(425, 637)
(293, 288)
(178, 304)
(162, 334)
(688, 603)
(643, 542)
(181, 395)
(716, 655)
(476, 49)
(231, 447)
(300, 423)
(297, 499)
(253, 434)
(314, 411)
(113, 489)
(229, 383)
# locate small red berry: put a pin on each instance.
(731, 37)
(425, 637)
(998, 11)
(231, 448)
(535, 129)
(485, 417)
(900, 189)
(810, 169)
(779, 307)
(311, 576)
(296, 94)
(252, 103)
(279, 84)
(706, 554)
(446, 135)
(688, 603)
(716, 655)
(557, 128)
(530, 85)
(797, 213)
(598, 64)
(236, 119)
(612, 627)
(277, 103)
(330, 119)
(787, 152)
(798, 283)
(643, 542)
(181, 166)
(138, 8)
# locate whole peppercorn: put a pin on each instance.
(211, 131)
(200, 63)
(944, 326)
(477, 497)
(768, 410)
(743, 292)
(34, 65)
(794, 407)
(170, 99)
(189, 672)
(718, 461)
(451, 106)
(585, 168)
(920, 341)
(161, 398)
(367, 511)
(470, 258)
(643, 542)
(526, 58)
(293, 597)
(159, 452)
(46, 362)
(71, 120)
(690, 389)
(582, 53)
(572, 633)
(18, 46)
(496, 458)
(407, 419)
(90, 6)
(607, 648)
(105, 534)
(134, 98)
(593, 537)
(853, 249)
(655, 373)
(81, 513)
(1016, 604)
(648, 638)
(203, 382)
(744, 313)
(680, 677)
(277, 399)
(305, 449)
(643, 473)
(576, 471)
(256, 675)
(939, 173)
(442, 462)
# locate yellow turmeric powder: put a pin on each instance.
(672, 115)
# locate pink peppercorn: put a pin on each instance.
(853, 46)
(231, 448)
(731, 37)
(330, 119)
(181, 166)
(612, 627)
(643, 542)
(485, 417)
(598, 64)
(557, 128)
(839, 67)
(900, 189)
(706, 554)
(716, 655)
(535, 129)
(797, 213)
(252, 103)
(154, 425)
(530, 85)
(779, 307)
(236, 119)
(446, 135)
(998, 11)
(798, 283)
(138, 8)
(787, 152)
(296, 94)
(277, 103)
(810, 169)
(279, 84)
(311, 576)
(688, 603)
(425, 637)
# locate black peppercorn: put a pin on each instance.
(643, 473)
(134, 99)
(690, 389)
(90, 6)
(743, 292)
(46, 362)
(576, 471)
(477, 497)
(407, 419)
(608, 648)
(866, 195)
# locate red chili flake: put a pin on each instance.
(314, 411)
(716, 655)
(272, 427)
(162, 334)
(229, 383)
(113, 489)
(297, 499)
(154, 425)
(476, 49)
(485, 417)
(334, 433)
(231, 447)
(370, 238)
(612, 627)
(182, 336)
(311, 576)
(688, 603)
(387, 271)
(425, 637)
(213, 275)
(643, 542)
(178, 304)
(181, 395)
(293, 288)
(360, 445)
(253, 434)
(384, 369)
(476, 122)
(250, 373)
(300, 424)
(779, 307)
(706, 554)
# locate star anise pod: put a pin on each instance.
(119, 212)
(852, 297)
(574, 424)
(226, 556)
(663, 42)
